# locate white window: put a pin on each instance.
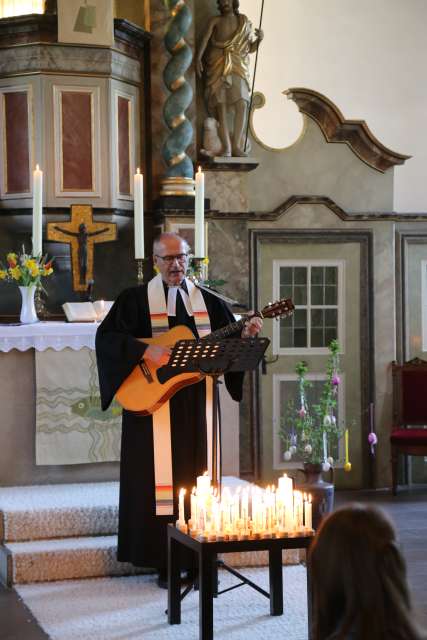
(316, 289)
(286, 393)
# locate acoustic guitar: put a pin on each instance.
(148, 387)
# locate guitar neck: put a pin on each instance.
(227, 331)
(279, 309)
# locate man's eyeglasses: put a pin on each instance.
(181, 257)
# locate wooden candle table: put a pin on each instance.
(208, 563)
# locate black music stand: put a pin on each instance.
(214, 358)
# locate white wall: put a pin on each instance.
(368, 56)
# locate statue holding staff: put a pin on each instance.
(223, 62)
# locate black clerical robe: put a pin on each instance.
(142, 535)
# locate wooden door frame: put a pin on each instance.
(366, 319)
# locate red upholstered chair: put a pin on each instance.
(409, 429)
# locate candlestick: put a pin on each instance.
(199, 215)
(138, 215)
(37, 211)
(140, 270)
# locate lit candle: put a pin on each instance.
(37, 211)
(203, 483)
(308, 513)
(138, 214)
(193, 507)
(245, 508)
(181, 512)
(199, 215)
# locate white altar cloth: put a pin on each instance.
(70, 426)
(48, 335)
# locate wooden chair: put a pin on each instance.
(409, 427)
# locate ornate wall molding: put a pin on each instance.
(355, 133)
(287, 205)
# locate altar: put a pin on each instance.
(52, 428)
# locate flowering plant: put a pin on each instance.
(311, 432)
(24, 269)
(199, 271)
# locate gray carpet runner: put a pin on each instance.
(61, 532)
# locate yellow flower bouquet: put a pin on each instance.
(25, 270)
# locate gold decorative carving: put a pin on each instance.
(81, 233)
(355, 133)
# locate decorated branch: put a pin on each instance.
(311, 432)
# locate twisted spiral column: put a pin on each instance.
(179, 173)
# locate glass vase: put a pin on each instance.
(28, 310)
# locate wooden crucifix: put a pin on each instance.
(81, 233)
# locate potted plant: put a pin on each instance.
(311, 431)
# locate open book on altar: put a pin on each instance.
(87, 311)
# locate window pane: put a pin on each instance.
(317, 275)
(330, 334)
(317, 294)
(317, 318)
(300, 295)
(289, 393)
(300, 338)
(317, 339)
(300, 275)
(300, 318)
(286, 291)
(286, 337)
(331, 275)
(331, 318)
(331, 294)
(286, 275)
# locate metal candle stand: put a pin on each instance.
(214, 358)
(140, 264)
(208, 564)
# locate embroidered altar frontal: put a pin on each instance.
(71, 428)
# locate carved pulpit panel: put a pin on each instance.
(81, 233)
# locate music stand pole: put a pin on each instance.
(216, 436)
(214, 357)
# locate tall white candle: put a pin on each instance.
(37, 211)
(308, 513)
(181, 512)
(138, 215)
(199, 215)
(203, 483)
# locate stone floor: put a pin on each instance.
(408, 511)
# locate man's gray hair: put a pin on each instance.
(168, 235)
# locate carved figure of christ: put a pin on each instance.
(81, 233)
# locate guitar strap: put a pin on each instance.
(161, 417)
